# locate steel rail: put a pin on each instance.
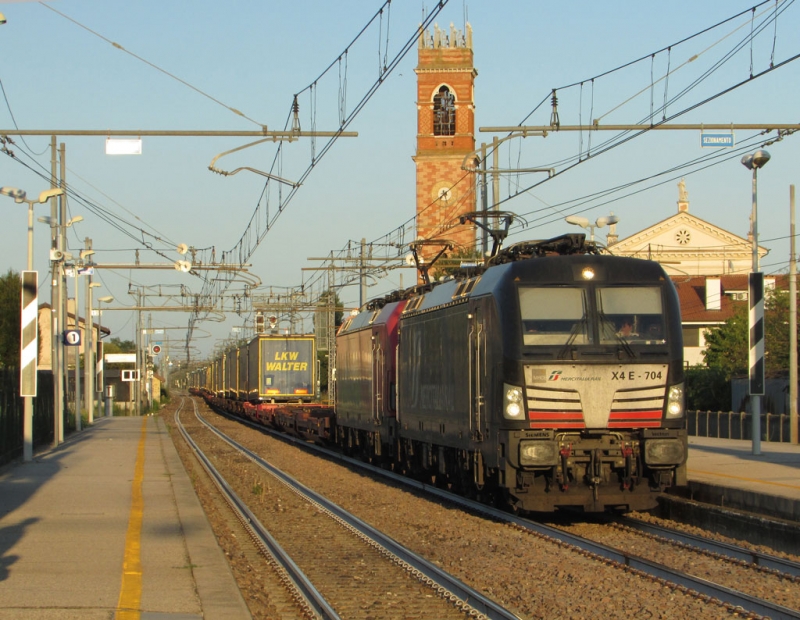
(729, 550)
(303, 586)
(469, 597)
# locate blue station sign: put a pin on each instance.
(717, 140)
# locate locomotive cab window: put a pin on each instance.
(634, 314)
(553, 315)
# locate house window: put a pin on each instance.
(691, 336)
(444, 113)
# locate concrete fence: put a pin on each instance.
(732, 425)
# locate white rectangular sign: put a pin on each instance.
(120, 358)
(123, 146)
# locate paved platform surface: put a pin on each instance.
(108, 525)
(725, 471)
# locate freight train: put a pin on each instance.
(552, 378)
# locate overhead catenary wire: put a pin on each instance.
(153, 65)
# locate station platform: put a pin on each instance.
(107, 525)
(727, 473)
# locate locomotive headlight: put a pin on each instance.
(675, 401)
(587, 273)
(512, 402)
(538, 453)
(664, 452)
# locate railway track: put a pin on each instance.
(759, 590)
(783, 567)
(336, 566)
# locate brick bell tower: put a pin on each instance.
(445, 136)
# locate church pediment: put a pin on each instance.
(683, 234)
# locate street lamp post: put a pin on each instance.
(19, 197)
(756, 300)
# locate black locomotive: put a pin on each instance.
(552, 379)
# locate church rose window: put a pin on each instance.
(444, 113)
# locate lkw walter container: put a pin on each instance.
(282, 368)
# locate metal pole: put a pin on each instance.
(755, 399)
(362, 291)
(88, 355)
(55, 306)
(78, 421)
(495, 173)
(27, 415)
(137, 385)
(484, 201)
(793, 436)
(63, 291)
(100, 388)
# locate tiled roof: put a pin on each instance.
(692, 296)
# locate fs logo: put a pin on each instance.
(554, 375)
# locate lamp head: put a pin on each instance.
(757, 160)
(50, 193)
(18, 195)
(74, 220)
(760, 158)
(2, 19)
(577, 220)
(106, 300)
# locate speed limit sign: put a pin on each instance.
(72, 337)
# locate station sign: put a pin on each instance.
(72, 338)
(717, 140)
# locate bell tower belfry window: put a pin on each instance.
(444, 113)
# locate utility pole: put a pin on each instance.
(137, 386)
(64, 291)
(793, 436)
(362, 275)
(88, 346)
(56, 318)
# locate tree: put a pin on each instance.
(115, 345)
(450, 264)
(727, 346)
(10, 319)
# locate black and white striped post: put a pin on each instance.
(29, 355)
(756, 358)
(756, 295)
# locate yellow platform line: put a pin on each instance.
(130, 595)
(711, 473)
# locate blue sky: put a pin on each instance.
(62, 73)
